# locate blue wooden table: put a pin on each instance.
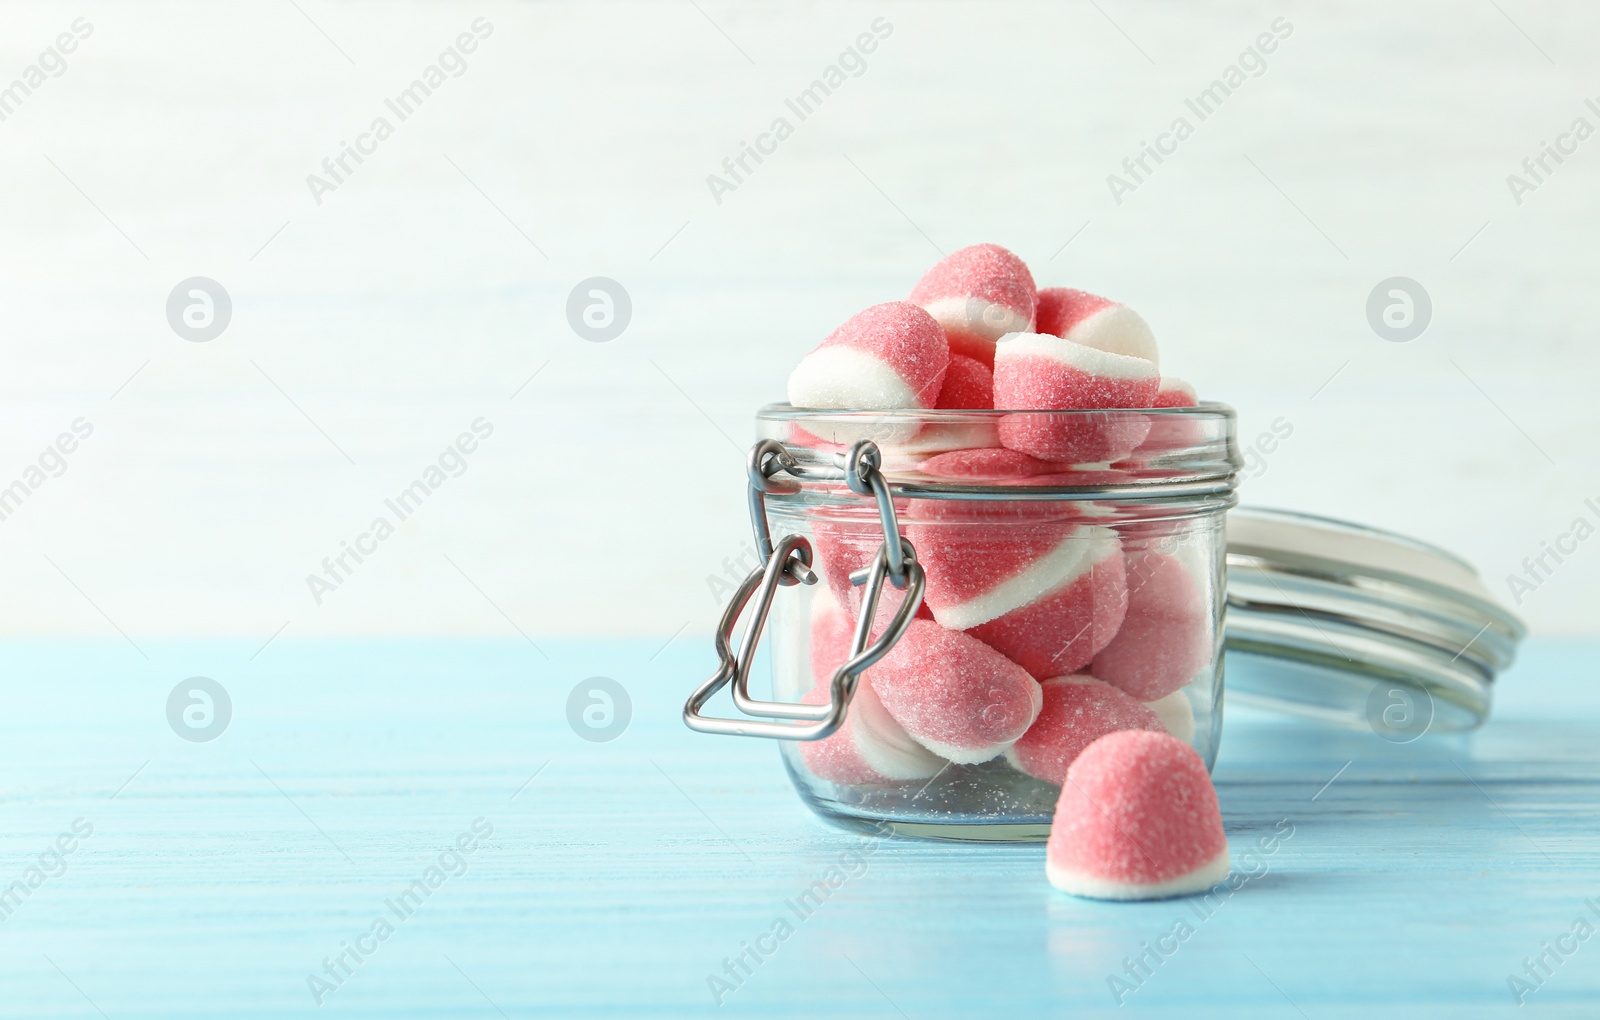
(326, 830)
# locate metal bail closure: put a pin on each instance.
(789, 562)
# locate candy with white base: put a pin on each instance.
(890, 356)
(1166, 636)
(1047, 593)
(1170, 432)
(1137, 819)
(1036, 371)
(1078, 710)
(1094, 321)
(1174, 392)
(841, 548)
(978, 294)
(1176, 714)
(955, 695)
(995, 464)
(968, 386)
(870, 747)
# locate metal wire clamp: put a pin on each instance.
(788, 562)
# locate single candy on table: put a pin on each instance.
(955, 695)
(1037, 371)
(1047, 593)
(1094, 321)
(978, 294)
(1166, 636)
(1078, 710)
(1137, 819)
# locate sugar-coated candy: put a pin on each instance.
(992, 464)
(968, 385)
(1174, 392)
(1170, 432)
(841, 548)
(890, 356)
(978, 294)
(1137, 819)
(832, 629)
(870, 747)
(1036, 371)
(1094, 321)
(1078, 710)
(1176, 714)
(955, 695)
(1166, 636)
(1047, 593)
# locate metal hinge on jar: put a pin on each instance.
(787, 563)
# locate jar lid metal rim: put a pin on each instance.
(1288, 541)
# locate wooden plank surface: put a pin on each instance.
(619, 875)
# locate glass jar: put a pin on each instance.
(937, 684)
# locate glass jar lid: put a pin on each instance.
(1359, 626)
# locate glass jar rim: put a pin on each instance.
(1200, 471)
(784, 411)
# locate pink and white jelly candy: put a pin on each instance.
(1047, 593)
(978, 294)
(870, 748)
(1166, 637)
(1176, 714)
(1174, 392)
(890, 356)
(1078, 710)
(1137, 819)
(1094, 321)
(968, 385)
(955, 695)
(1037, 371)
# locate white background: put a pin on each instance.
(413, 299)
